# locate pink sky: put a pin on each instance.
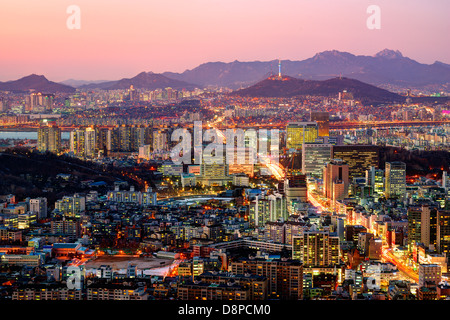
(122, 38)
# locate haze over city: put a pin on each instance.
(118, 39)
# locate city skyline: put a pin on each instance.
(117, 41)
(311, 163)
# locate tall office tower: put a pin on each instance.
(49, 139)
(338, 223)
(414, 214)
(395, 179)
(39, 206)
(295, 188)
(429, 226)
(358, 157)
(294, 164)
(443, 232)
(83, 142)
(429, 274)
(314, 157)
(445, 180)
(323, 122)
(316, 248)
(298, 133)
(422, 225)
(375, 179)
(336, 180)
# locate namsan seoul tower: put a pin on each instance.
(279, 69)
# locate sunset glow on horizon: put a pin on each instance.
(120, 39)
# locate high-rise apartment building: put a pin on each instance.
(429, 274)
(160, 140)
(39, 206)
(71, 206)
(267, 208)
(39, 101)
(83, 142)
(125, 135)
(285, 278)
(103, 140)
(316, 248)
(49, 139)
(66, 226)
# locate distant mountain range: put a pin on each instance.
(78, 83)
(144, 80)
(387, 67)
(37, 83)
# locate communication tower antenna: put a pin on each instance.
(279, 68)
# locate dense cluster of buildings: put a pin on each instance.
(332, 221)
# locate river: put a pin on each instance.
(27, 135)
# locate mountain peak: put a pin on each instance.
(143, 80)
(440, 63)
(389, 54)
(144, 74)
(35, 77)
(331, 54)
(331, 87)
(35, 82)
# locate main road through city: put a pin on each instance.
(387, 253)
